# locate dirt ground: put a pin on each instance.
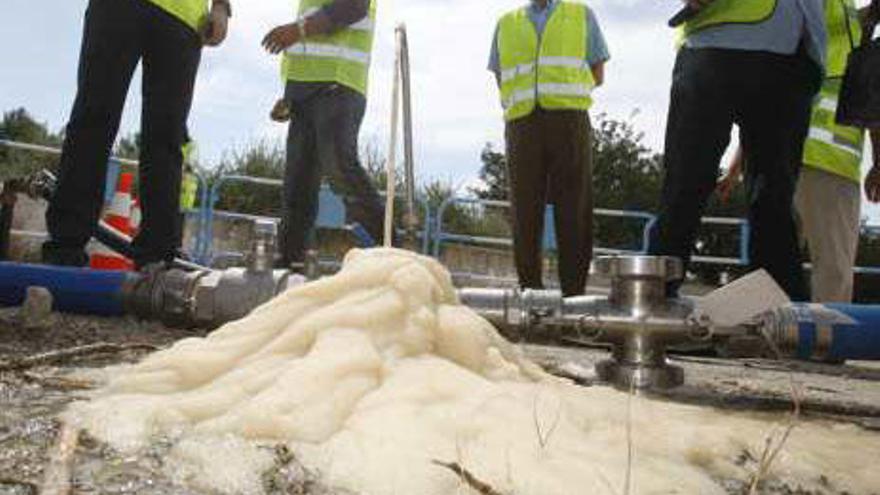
(45, 367)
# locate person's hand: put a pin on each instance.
(725, 187)
(280, 111)
(280, 38)
(216, 26)
(872, 185)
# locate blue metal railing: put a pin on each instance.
(433, 234)
(441, 236)
(210, 213)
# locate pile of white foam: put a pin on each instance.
(372, 375)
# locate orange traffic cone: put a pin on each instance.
(118, 216)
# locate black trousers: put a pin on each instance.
(549, 156)
(323, 141)
(117, 35)
(769, 97)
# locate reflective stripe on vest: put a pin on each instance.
(191, 12)
(342, 57)
(844, 32)
(831, 147)
(550, 70)
(722, 12)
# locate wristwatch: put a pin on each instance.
(224, 3)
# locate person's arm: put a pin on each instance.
(217, 24)
(495, 59)
(331, 18)
(598, 73)
(872, 181)
(597, 49)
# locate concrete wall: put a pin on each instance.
(29, 227)
(492, 265)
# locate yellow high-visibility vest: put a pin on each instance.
(191, 12)
(844, 32)
(551, 70)
(829, 146)
(342, 57)
(722, 12)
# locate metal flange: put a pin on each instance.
(638, 292)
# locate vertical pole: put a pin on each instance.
(391, 165)
(411, 221)
(745, 243)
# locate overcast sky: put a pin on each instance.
(456, 105)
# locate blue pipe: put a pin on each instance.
(74, 290)
(837, 332)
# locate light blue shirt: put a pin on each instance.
(597, 49)
(793, 21)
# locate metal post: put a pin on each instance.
(745, 243)
(410, 219)
(391, 165)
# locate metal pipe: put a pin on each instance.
(410, 219)
(636, 319)
(391, 164)
(55, 151)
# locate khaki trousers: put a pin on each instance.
(829, 207)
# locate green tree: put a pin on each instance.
(627, 175)
(128, 147)
(493, 175)
(19, 125)
(258, 160)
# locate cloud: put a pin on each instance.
(454, 98)
(455, 102)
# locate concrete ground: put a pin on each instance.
(39, 377)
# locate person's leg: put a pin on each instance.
(528, 195)
(697, 133)
(302, 179)
(829, 207)
(171, 61)
(774, 120)
(569, 137)
(338, 124)
(111, 48)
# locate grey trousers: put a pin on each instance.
(322, 141)
(829, 207)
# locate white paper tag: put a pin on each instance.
(743, 300)
(823, 315)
